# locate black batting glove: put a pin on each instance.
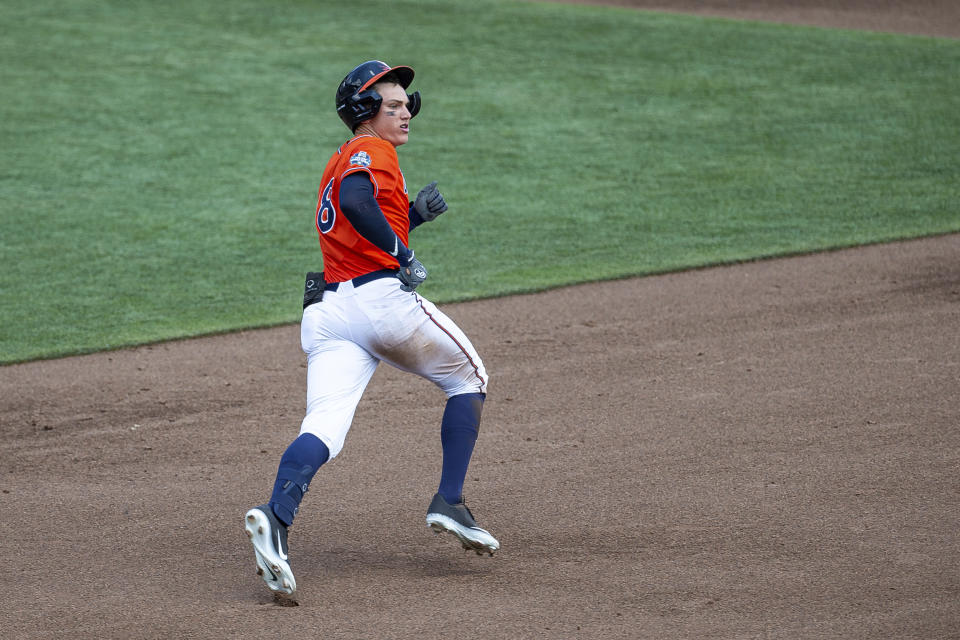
(412, 273)
(430, 203)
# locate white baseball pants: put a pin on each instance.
(348, 333)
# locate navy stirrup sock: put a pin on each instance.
(458, 434)
(299, 462)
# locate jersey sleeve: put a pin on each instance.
(376, 161)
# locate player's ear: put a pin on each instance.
(413, 103)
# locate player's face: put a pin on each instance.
(392, 122)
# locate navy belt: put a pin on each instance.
(364, 279)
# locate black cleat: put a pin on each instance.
(457, 519)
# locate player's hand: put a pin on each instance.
(430, 203)
(412, 274)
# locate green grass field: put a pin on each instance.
(160, 160)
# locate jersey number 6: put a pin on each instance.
(326, 214)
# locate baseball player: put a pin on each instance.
(364, 309)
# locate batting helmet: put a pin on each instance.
(356, 101)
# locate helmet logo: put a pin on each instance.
(360, 158)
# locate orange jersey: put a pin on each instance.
(346, 254)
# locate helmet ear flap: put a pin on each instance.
(413, 103)
(363, 106)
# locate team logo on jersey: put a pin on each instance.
(361, 159)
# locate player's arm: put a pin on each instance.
(415, 219)
(360, 207)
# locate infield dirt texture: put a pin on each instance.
(767, 450)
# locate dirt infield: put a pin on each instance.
(766, 450)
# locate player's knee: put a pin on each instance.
(473, 378)
(319, 425)
(465, 387)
